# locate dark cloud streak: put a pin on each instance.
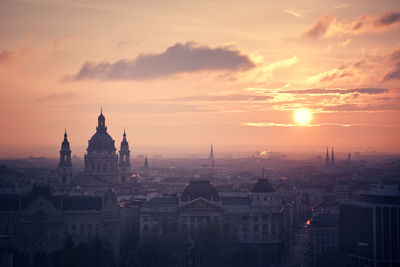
(337, 91)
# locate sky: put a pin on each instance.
(185, 74)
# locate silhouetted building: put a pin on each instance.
(39, 222)
(324, 240)
(257, 221)
(146, 168)
(65, 165)
(211, 157)
(327, 162)
(124, 161)
(369, 228)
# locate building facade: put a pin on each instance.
(258, 220)
(41, 222)
(369, 228)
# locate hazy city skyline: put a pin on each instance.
(183, 75)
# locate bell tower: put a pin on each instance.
(124, 164)
(65, 165)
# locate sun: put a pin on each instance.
(302, 116)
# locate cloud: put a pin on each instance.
(344, 43)
(394, 74)
(7, 56)
(227, 98)
(337, 91)
(360, 107)
(273, 124)
(329, 25)
(387, 19)
(293, 12)
(319, 27)
(58, 97)
(180, 58)
(60, 43)
(330, 75)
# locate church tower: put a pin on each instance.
(146, 168)
(65, 165)
(332, 159)
(211, 157)
(124, 161)
(327, 158)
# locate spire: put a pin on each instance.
(146, 167)
(212, 160)
(101, 122)
(327, 157)
(124, 135)
(65, 134)
(212, 153)
(333, 158)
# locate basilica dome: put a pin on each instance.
(101, 140)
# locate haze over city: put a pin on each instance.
(180, 75)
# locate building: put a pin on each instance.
(257, 221)
(369, 227)
(102, 165)
(39, 222)
(323, 246)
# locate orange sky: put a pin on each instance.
(190, 73)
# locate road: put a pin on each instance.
(296, 255)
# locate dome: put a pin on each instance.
(101, 140)
(197, 189)
(262, 186)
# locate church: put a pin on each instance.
(103, 166)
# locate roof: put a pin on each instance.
(15, 202)
(201, 188)
(236, 201)
(163, 201)
(82, 203)
(101, 140)
(262, 186)
(40, 191)
(9, 202)
(326, 219)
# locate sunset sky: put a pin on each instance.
(190, 73)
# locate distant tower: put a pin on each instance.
(332, 159)
(65, 165)
(211, 157)
(349, 157)
(327, 158)
(124, 163)
(146, 168)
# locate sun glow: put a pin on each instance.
(302, 116)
